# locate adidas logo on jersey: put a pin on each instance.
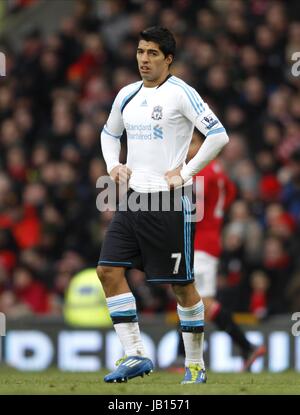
(144, 103)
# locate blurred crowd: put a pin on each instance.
(10, 7)
(55, 100)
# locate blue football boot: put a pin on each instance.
(130, 367)
(194, 373)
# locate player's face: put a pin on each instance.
(152, 63)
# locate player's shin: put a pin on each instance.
(192, 327)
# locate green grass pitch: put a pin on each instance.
(54, 382)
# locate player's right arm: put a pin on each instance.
(110, 142)
(199, 113)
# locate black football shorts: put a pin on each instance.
(160, 243)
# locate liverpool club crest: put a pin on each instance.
(157, 113)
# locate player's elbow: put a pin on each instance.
(225, 138)
(220, 138)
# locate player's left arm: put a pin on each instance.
(197, 111)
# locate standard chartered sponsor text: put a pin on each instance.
(138, 131)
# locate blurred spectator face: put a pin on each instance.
(94, 44)
(293, 130)
(68, 26)
(71, 263)
(34, 194)
(70, 154)
(182, 71)
(49, 173)
(10, 133)
(97, 91)
(254, 90)
(295, 107)
(151, 8)
(3, 271)
(276, 17)
(97, 169)
(15, 159)
(233, 239)
(278, 105)
(61, 106)
(111, 8)
(204, 54)
(293, 41)
(236, 25)
(272, 134)
(235, 150)
(61, 282)
(6, 97)
(265, 161)
(67, 173)
(86, 135)
(51, 216)
(294, 32)
(53, 42)
(33, 259)
(206, 21)
(259, 281)
(247, 179)
(273, 211)
(234, 116)
(239, 211)
(40, 156)
(63, 124)
(265, 38)
(7, 302)
(49, 61)
(273, 250)
(32, 44)
(294, 165)
(123, 76)
(128, 50)
(137, 24)
(99, 117)
(23, 118)
(236, 6)
(217, 78)
(250, 59)
(5, 188)
(22, 278)
(82, 8)
(169, 18)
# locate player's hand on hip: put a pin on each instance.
(120, 174)
(174, 178)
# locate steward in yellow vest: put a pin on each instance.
(85, 304)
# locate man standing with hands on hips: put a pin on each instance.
(159, 114)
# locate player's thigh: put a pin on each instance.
(120, 246)
(205, 273)
(166, 244)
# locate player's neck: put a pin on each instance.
(156, 82)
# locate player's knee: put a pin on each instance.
(185, 293)
(104, 273)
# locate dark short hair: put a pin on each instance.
(162, 36)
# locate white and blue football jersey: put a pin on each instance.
(159, 123)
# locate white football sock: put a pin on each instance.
(192, 323)
(122, 309)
